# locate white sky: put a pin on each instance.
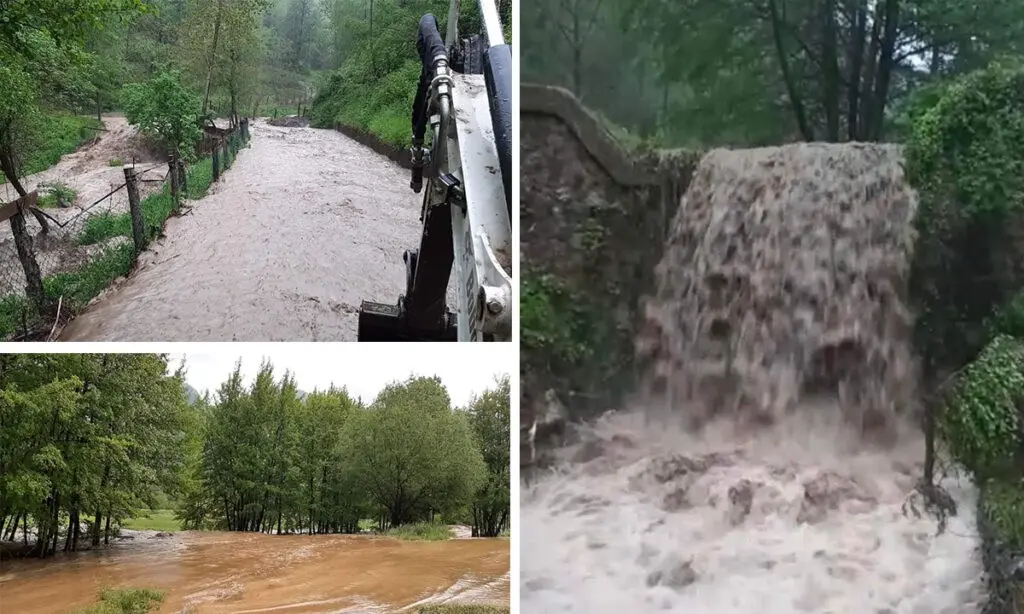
(464, 368)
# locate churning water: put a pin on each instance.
(768, 465)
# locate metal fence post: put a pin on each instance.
(135, 206)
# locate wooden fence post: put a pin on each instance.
(135, 206)
(175, 188)
(216, 164)
(182, 179)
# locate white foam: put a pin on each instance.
(594, 532)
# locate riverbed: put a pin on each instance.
(221, 572)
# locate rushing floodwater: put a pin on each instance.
(633, 531)
(775, 473)
(304, 226)
(220, 573)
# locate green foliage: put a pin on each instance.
(115, 162)
(126, 601)
(982, 421)
(553, 320)
(375, 86)
(101, 432)
(462, 608)
(56, 193)
(412, 453)
(965, 160)
(164, 108)
(491, 420)
(421, 531)
(77, 288)
(324, 463)
(1003, 507)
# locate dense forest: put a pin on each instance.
(88, 441)
(62, 62)
(700, 73)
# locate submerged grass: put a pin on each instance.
(463, 608)
(421, 531)
(126, 601)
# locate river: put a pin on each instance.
(221, 572)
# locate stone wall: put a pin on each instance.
(593, 219)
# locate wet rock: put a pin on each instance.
(741, 498)
(663, 470)
(673, 574)
(547, 430)
(163, 535)
(827, 491)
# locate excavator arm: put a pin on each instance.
(464, 104)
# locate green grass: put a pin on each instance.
(156, 208)
(126, 601)
(1003, 506)
(367, 524)
(463, 608)
(57, 134)
(79, 287)
(115, 162)
(153, 520)
(421, 531)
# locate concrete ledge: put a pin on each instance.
(562, 104)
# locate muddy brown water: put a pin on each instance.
(771, 464)
(305, 225)
(219, 573)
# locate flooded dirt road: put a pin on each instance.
(218, 573)
(305, 225)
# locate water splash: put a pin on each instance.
(768, 465)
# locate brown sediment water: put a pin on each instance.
(220, 573)
(304, 226)
(769, 463)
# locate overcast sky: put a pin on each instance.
(464, 368)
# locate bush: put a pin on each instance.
(126, 601)
(982, 422)
(421, 531)
(165, 109)
(965, 160)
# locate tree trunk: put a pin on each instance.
(95, 537)
(830, 68)
(106, 531)
(213, 55)
(886, 64)
(856, 62)
(794, 96)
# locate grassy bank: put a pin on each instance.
(125, 601)
(79, 287)
(421, 531)
(55, 135)
(375, 87)
(153, 520)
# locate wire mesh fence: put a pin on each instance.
(56, 257)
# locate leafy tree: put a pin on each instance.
(164, 108)
(492, 424)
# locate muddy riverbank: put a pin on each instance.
(220, 573)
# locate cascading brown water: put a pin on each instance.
(769, 465)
